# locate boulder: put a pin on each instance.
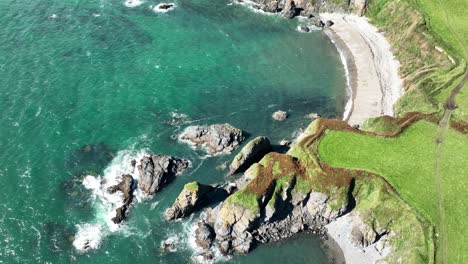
(250, 154)
(192, 195)
(157, 170)
(280, 115)
(216, 139)
(329, 23)
(204, 235)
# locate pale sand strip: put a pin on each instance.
(374, 78)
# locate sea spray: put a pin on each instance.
(349, 88)
(89, 235)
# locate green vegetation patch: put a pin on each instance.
(411, 238)
(245, 199)
(382, 124)
(192, 186)
(407, 162)
(430, 39)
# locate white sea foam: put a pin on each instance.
(189, 228)
(253, 6)
(177, 115)
(133, 3)
(349, 88)
(89, 235)
(158, 8)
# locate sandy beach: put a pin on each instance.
(370, 65)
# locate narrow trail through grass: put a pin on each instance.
(450, 105)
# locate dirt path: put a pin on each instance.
(443, 125)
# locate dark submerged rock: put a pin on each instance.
(91, 157)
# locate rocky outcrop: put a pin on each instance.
(216, 139)
(291, 11)
(233, 226)
(204, 235)
(157, 170)
(280, 115)
(250, 153)
(270, 205)
(125, 186)
(307, 8)
(189, 199)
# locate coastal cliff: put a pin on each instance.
(285, 194)
(309, 8)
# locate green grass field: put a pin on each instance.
(407, 162)
(430, 38)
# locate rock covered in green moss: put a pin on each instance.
(191, 196)
(250, 153)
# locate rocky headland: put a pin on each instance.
(285, 194)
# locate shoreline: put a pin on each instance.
(375, 86)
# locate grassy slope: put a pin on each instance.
(415, 28)
(376, 202)
(448, 20)
(407, 162)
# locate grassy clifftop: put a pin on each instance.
(429, 37)
(302, 170)
(405, 157)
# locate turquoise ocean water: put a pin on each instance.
(87, 84)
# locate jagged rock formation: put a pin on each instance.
(285, 194)
(250, 153)
(125, 186)
(216, 139)
(191, 196)
(308, 8)
(157, 170)
(204, 235)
